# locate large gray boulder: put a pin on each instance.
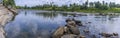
(58, 33)
(74, 30)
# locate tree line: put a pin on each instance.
(75, 7)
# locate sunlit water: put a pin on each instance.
(34, 24)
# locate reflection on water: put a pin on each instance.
(32, 24)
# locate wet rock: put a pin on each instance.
(74, 30)
(80, 36)
(58, 33)
(69, 36)
(106, 34)
(78, 22)
(89, 22)
(67, 20)
(66, 30)
(115, 34)
(71, 23)
(75, 15)
(86, 31)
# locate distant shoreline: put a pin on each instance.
(68, 12)
(81, 11)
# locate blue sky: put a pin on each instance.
(58, 2)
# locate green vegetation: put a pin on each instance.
(9, 3)
(85, 7)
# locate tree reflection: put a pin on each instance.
(48, 14)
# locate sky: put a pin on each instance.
(57, 2)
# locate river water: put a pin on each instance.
(41, 24)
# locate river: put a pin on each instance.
(35, 23)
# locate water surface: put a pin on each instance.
(34, 24)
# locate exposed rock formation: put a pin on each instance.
(58, 33)
(5, 17)
(70, 30)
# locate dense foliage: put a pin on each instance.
(9, 3)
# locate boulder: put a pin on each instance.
(67, 20)
(74, 30)
(69, 36)
(66, 30)
(80, 36)
(78, 22)
(115, 34)
(86, 31)
(58, 33)
(71, 23)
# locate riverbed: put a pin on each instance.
(41, 24)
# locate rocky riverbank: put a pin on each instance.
(71, 30)
(5, 16)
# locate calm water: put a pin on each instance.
(34, 24)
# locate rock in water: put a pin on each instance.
(72, 36)
(69, 36)
(66, 30)
(106, 34)
(86, 31)
(67, 20)
(74, 30)
(72, 23)
(80, 36)
(115, 34)
(58, 33)
(78, 22)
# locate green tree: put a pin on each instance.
(91, 4)
(74, 7)
(64, 7)
(103, 2)
(104, 7)
(112, 4)
(9, 3)
(97, 5)
(54, 7)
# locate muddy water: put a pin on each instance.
(41, 24)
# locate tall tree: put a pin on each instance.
(103, 2)
(91, 4)
(112, 4)
(97, 5)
